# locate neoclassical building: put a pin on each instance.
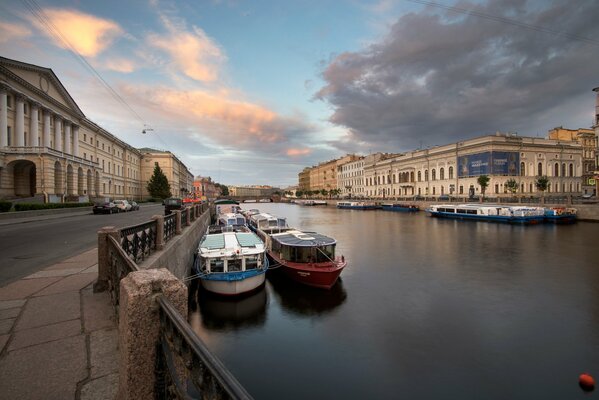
(454, 169)
(179, 177)
(51, 152)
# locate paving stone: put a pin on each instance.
(44, 334)
(55, 272)
(3, 340)
(86, 259)
(9, 313)
(46, 371)
(6, 325)
(98, 312)
(70, 283)
(90, 270)
(65, 265)
(25, 288)
(104, 388)
(46, 310)
(6, 304)
(104, 358)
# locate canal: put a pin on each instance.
(426, 309)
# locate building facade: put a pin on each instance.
(204, 188)
(252, 191)
(179, 177)
(588, 141)
(350, 178)
(454, 169)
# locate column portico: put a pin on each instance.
(67, 137)
(3, 117)
(47, 132)
(76, 140)
(20, 121)
(34, 124)
(57, 133)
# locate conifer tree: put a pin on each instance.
(158, 186)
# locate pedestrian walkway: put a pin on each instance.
(58, 339)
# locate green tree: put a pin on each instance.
(542, 183)
(512, 186)
(324, 192)
(299, 193)
(483, 181)
(158, 186)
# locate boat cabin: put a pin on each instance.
(267, 222)
(231, 219)
(303, 247)
(231, 252)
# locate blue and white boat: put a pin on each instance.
(489, 212)
(231, 260)
(560, 215)
(400, 207)
(231, 219)
(357, 205)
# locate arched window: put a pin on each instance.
(426, 175)
(419, 177)
(564, 170)
(412, 176)
(450, 172)
(571, 169)
(522, 169)
(540, 169)
(442, 173)
(433, 174)
(434, 189)
(556, 169)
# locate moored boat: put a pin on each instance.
(266, 223)
(231, 219)
(357, 205)
(560, 215)
(231, 260)
(489, 212)
(226, 206)
(400, 207)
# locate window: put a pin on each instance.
(9, 136)
(556, 170)
(85, 137)
(9, 101)
(84, 156)
(540, 169)
(433, 175)
(426, 175)
(442, 173)
(571, 169)
(563, 169)
(522, 169)
(419, 177)
(461, 189)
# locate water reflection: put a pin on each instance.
(220, 313)
(305, 300)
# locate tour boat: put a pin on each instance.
(263, 222)
(357, 205)
(223, 206)
(306, 257)
(231, 260)
(400, 207)
(489, 212)
(560, 215)
(312, 202)
(231, 219)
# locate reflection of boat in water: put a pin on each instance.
(305, 300)
(228, 313)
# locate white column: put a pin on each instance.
(33, 125)
(57, 133)
(67, 137)
(47, 132)
(20, 121)
(76, 140)
(3, 117)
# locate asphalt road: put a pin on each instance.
(26, 247)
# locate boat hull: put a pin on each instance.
(372, 207)
(526, 220)
(323, 275)
(400, 208)
(560, 219)
(233, 287)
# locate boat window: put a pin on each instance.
(251, 263)
(325, 253)
(459, 211)
(272, 223)
(234, 265)
(471, 211)
(217, 265)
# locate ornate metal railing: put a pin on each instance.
(139, 241)
(170, 225)
(119, 266)
(185, 368)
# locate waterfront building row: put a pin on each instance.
(49, 149)
(252, 191)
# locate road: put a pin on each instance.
(26, 247)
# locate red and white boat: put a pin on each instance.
(306, 257)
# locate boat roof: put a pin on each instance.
(475, 206)
(225, 201)
(306, 239)
(230, 240)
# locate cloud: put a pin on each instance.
(294, 152)
(89, 35)
(196, 54)
(10, 32)
(120, 65)
(439, 76)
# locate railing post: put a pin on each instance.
(159, 231)
(188, 217)
(103, 257)
(139, 328)
(177, 222)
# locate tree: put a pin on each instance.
(542, 183)
(483, 181)
(299, 193)
(324, 192)
(158, 186)
(512, 186)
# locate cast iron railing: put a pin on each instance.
(170, 225)
(185, 368)
(119, 266)
(139, 241)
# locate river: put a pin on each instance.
(426, 309)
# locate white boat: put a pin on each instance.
(357, 205)
(489, 212)
(231, 219)
(267, 222)
(231, 260)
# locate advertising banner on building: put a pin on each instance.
(489, 163)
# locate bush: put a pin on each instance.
(5, 206)
(48, 206)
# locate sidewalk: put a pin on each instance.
(58, 339)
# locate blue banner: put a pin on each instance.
(489, 163)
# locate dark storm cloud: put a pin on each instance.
(441, 76)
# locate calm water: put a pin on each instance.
(426, 309)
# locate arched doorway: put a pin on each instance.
(23, 177)
(70, 180)
(58, 178)
(89, 183)
(80, 181)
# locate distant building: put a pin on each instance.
(179, 177)
(596, 127)
(588, 140)
(252, 191)
(205, 189)
(350, 177)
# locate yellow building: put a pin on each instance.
(177, 174)
(588, 141)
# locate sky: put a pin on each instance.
(251, 92)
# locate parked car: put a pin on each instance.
(588, 196)
(134, 206)
(171, 204)
(105, 207)
(122, 205)
(443, 197)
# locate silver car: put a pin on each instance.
(122, 205)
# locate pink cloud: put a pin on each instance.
(120, 65)
(10, 32)
(294, 152)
